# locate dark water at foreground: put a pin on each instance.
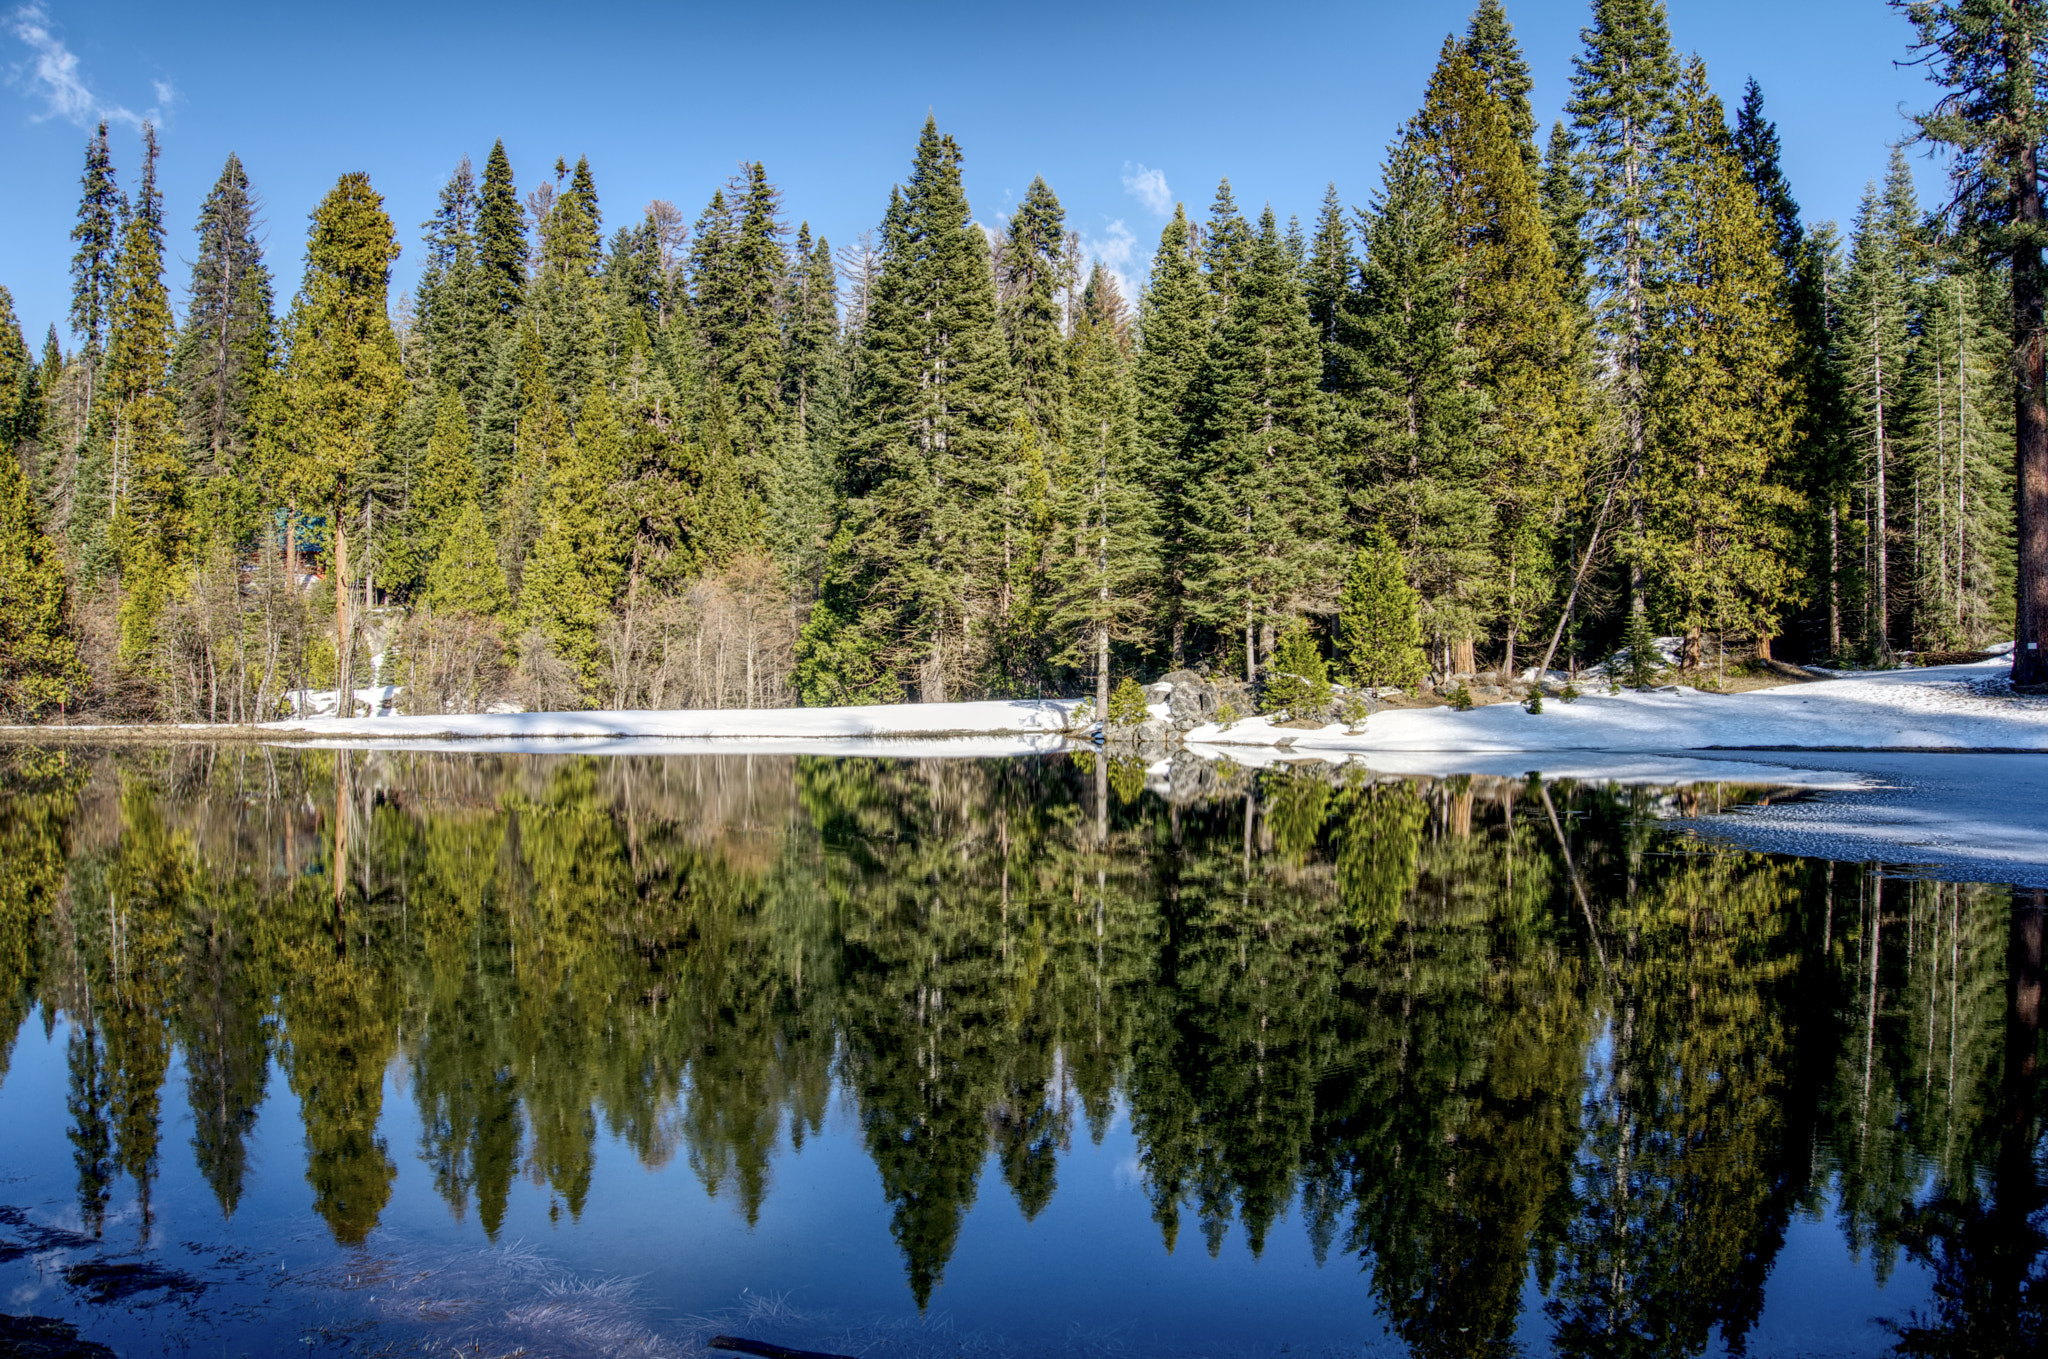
(391, 1053)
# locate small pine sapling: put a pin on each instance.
(1226, 716)
(1535, 703)
(1641, 671)
(1300, 683)
(1461, 697)
(1127, 704)
(1571, 692)
(1353, 709)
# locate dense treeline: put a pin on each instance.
(1588, 390)
(1471, 1028)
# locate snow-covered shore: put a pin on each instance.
(1938, 708)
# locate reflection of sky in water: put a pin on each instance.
(655, 1265)
(1423, 1047)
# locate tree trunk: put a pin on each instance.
(344, 692)
(1880, 530)
(2030, 408)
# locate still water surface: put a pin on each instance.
(393, 1053)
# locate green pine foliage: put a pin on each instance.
(1262, 510)
(931, 443)
(1104, 559)
(1491, 49)
(1174, 319)
(1298, 680)
(501, 248)
(465, 576)
(456, 311)
(1412, 454)
(1031, 264)
(39, 666)
(1718, 511)
(569, 580)
(1379, 619)
(150, 520)
(97, 235)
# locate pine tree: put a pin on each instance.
(1299, 682)
(1328, 278)
(1379, 620)
(1030, 264)
(813, 390)
(1517, 319)
(1957, 421)
(1491, 48)
(100, 211)
(224, 352)
(1413, 459)
(500, 238)
(443, 481)
(342, 384)
(1621, 111)
(39, 666)
(931, 441)
(748, 333)
(563, 302)
(569, 582)
(1262, 506)
(1106, 557)
(17, 381)
(1173, 336)
(1876, 337)
(1987, 57)
(1226, 248)
(465, 576)
(456, 312)
(1822, 469)
(149, 522)
(1723, 401)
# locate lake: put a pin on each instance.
(390, 1053)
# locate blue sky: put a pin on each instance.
(1121, 107)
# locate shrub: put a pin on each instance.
(1226, 716)
(1535, 703)
(1461, 697)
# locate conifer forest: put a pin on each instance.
(1542, 391)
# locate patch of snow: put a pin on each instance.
(1937, 708)
(874, 747)
(379, 698)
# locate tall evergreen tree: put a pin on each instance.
(149, 495)
(100, 212)
(1226, 247)
(1030, 265)
(500, 237)
(456, 312)
(1412, 457)
(1263, 514)
(1987, 57)
(342, 382)
(224, 351)
(1328, 277)
(566, 590)
(1876, 336)
(747, 333)
(813, 391)
(1173, 335)
(1724, 402)
(931, 439)
(1106, 559)
(1621, 111)
(1516, 317)
(39, 666)
(564, 304)
(1491, 48)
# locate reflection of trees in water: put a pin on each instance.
(1473, 1027)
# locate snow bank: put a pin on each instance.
(1937, 708)
(1020, 717)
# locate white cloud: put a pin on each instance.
(1116, 250)
(50, 74)
(1148, 187)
